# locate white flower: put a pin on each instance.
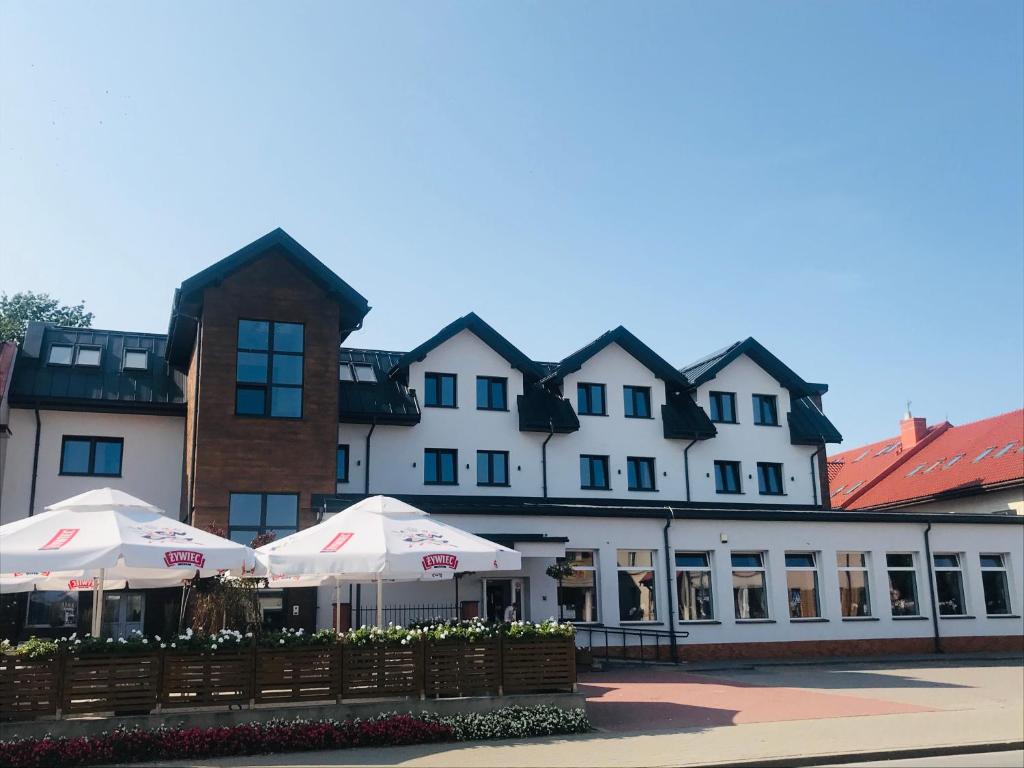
(110, 639)
(145, 641)
(163, 645)
(155, 637)
(282, 641)
(174, 645)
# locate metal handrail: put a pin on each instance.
(654, 638)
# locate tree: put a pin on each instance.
(17, 310)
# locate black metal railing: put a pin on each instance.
(402, 615)
(631, 644)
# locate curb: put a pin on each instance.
(734, 664)
(876, 755)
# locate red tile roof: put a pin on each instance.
(946, 459)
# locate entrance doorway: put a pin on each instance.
(499, 594)
(123, 613)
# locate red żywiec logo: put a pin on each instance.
(440, 561)
(60, 538)
(186, 557)
(74, 584)
(339, 541)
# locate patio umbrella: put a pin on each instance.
(108, 531)
(383, 539)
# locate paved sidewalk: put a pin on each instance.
(940, 703)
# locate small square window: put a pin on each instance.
(439, 390)
(640, 473)
(590, 400)
(766, 410)
(88, 356)
(60, 354)
(594, 473)
(345, 372)
(769, 479)
(723, 407)
(440, 466)
(491, 393)
(365, 372)
(637, 402)
(727, 477)
(136, 359)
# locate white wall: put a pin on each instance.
(607, 535)
(151, 464)
(1010, 500)
(750, 443)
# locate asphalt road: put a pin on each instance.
(980, 760)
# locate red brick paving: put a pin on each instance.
(642, 700)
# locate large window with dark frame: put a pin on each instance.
(440, 466)
(766, 410)
(637, 590)
(492, 468)
(439, 390)
(91, 456)
(749, 586)
(268, 371)
(769, 478)
(727, 477)
(590, 400)
(902, 584)
(252, 514)
(491, 393)
(342, 464)
(854, 584)
(640, 473)
(594, 473)
(802, 585)
(577, 593)
(995, 584)
(637, 402)
(949, 584)
(693, 586)
(723, 407)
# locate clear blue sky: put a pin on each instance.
(844, 180)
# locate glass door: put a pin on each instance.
(123, 613)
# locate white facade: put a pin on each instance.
(151, 461)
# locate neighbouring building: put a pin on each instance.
(976, 467)
(689, 499)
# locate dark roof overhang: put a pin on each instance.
(475, 324)
(541, 410)
(646, 356)
(683, 419)
(188, 297)
(808, 425)
(707, 368)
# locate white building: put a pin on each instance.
(692, 500)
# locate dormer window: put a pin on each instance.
(345, 372)
(637, 402)
(88, 356)
(136, 360)
(364, 372)
(766, 410)
(60, 354)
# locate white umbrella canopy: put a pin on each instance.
(106, 538)
(383, 538)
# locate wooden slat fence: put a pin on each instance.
(29, 688)
(457, 668)
(382, 671)
(197, 679)
(537, 666)
(119, 684)
(298, 674)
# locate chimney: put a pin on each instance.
(912, 430)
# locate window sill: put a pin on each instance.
(861, 618)
(766, 425)
(808, 620)
(493, 485)
(724, 422)
(761, 493)
(910, 618)
(731, 493)
(85, 474)
(443, 407)
(591, 414)
(642, 418)
(493, 410)
(1003, 616)
(642, 490)
(755, 621)
(585, 488)
(641, 623)
(427, 482)
(957, 617)
(685, 623)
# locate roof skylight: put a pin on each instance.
(364, 372)
(888, 449)
(60, 354)
(953, 461)
(345, 372)
(88, 356)
(862, 455)
(933, 466)
(854, 487)
(916, 469)
(837, 490)
(984, 453)
(1005, 449)
(136, 359)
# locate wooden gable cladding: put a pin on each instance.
(246, 454)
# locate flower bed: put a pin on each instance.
(129, 746)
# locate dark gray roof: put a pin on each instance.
(386, 401)
(644, 354)
(809, 426)
(158, 389)
(541, 410)
(708, 367)
(682, 418)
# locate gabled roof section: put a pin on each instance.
(708, 367)
(384, 401)
(683, 419)
(643, 354)
(541, 410)
(473, 323)
(105, 387)
(950, 461)
(188, 297)
(808, 425)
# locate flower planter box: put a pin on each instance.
(120, 684)
(462, 668)
(198, 678)
(538, 665)
(29, 688)
(307, 673)
(382, 670)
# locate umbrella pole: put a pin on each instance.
(380, 602)
(97, 604)
(337, 606)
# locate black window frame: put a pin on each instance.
(591, 458)
(502, 381)
(715, 402)
(92, 440)
(491, 455)
(269, 385)
(587, 387)
(134, 350)
(629, 400)
(762, 468)
(756, 400)
(437, 376)
(71, 358)
(439, 452)
(343, 477)
(739, 476)
(648, 460)
(262, 527)
(91, 348)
